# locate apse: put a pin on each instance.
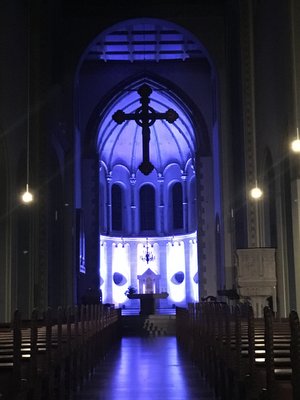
(148, 238)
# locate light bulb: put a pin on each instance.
(256, 193)
(295, 145)
(27, 197)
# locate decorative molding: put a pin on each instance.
(246, 43)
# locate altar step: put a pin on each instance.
(158, 311)
(150, 325)
(160, 325)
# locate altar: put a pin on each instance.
(148, 301)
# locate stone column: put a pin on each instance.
(295, 204)
(184, 203)
(186, 244)
(134, 261)
(108, 202)
(109, 278)
(134, 227)
(161, 228)
(163, 271)
(248, 100)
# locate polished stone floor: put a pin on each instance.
(146, 368)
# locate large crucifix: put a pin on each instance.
(145, 116)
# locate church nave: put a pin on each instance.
(146, 368)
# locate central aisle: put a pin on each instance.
(146, 368)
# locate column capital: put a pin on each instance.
(132, 179)
(160, 178)
(184, 177)
(109, 176)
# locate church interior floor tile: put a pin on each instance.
(146, 368)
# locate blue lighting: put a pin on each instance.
(125, 266)
(145, 40)
(122, 144)
(147, 239)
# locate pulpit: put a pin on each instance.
(148, 301)
(256, 277)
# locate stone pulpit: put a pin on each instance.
(256, 277)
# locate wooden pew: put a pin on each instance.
(295, 352)
(241, 356)
(278, 366)
(43, 359)
(257, 350)
(182, 321)
(10, 375)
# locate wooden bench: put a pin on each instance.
(53, 357)
(245, 357)
(261, 347)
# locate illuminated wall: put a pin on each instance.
(160, 206)
(194, 274)
(121, 274)
(173, 263)
(176, 271)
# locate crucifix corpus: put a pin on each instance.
(145, 116)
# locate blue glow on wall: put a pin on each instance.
(172, 152)
(144, 39)
(120, 268)
(122, 263)
(121, 144)
(194, 274)
(104, 279)
(176, 265)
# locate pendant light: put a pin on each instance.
(27, 196)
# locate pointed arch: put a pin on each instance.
(164, 92)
